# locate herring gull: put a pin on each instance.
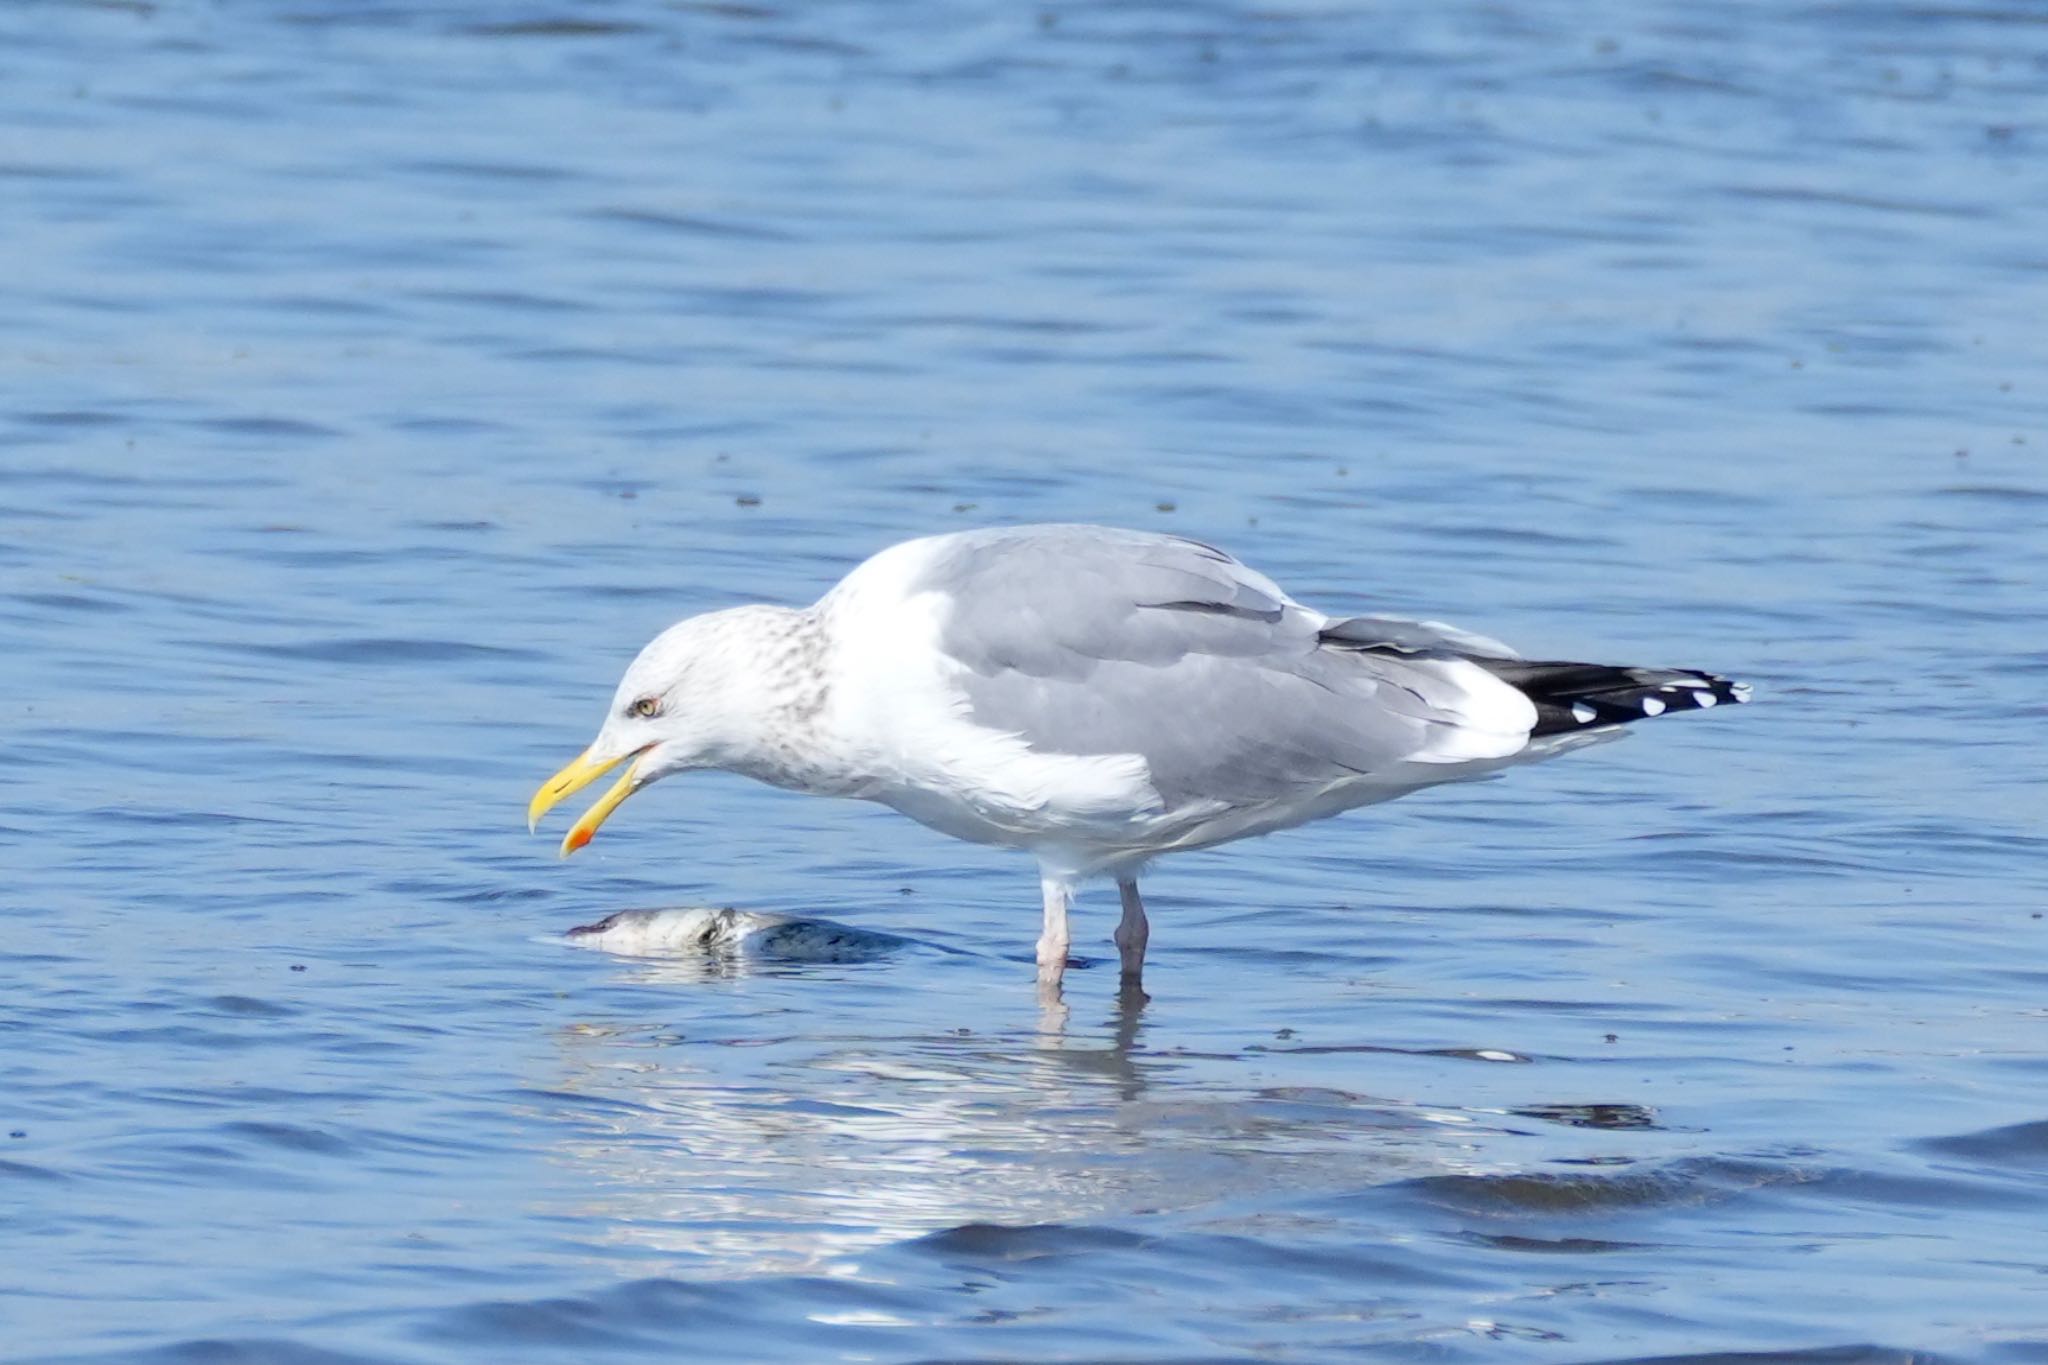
(1096, 697)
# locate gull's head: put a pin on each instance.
(681, 704)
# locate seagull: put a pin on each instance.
(1097, 698)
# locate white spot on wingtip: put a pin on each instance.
(1583, 713)
(1652, 707)
(1704, 699)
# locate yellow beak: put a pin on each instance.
(580, 773)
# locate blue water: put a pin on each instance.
(375, 377)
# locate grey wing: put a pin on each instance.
(1086, 640)
(1404, 636)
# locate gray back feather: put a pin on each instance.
(1087, 640)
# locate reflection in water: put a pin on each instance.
(794, 1153)
(1609, 1116)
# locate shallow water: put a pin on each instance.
(375, 377)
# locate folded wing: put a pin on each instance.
(1087, 641)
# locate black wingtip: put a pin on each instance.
(1696, 692)
(1572, 696)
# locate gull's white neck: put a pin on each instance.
(781, 657)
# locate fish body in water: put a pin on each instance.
(728, 932)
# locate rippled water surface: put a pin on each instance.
(375, 377)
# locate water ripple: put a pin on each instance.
(379, 376)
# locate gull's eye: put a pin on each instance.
(647, 708)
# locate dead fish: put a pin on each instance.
(729, 932)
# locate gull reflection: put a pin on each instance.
(797, 1111)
